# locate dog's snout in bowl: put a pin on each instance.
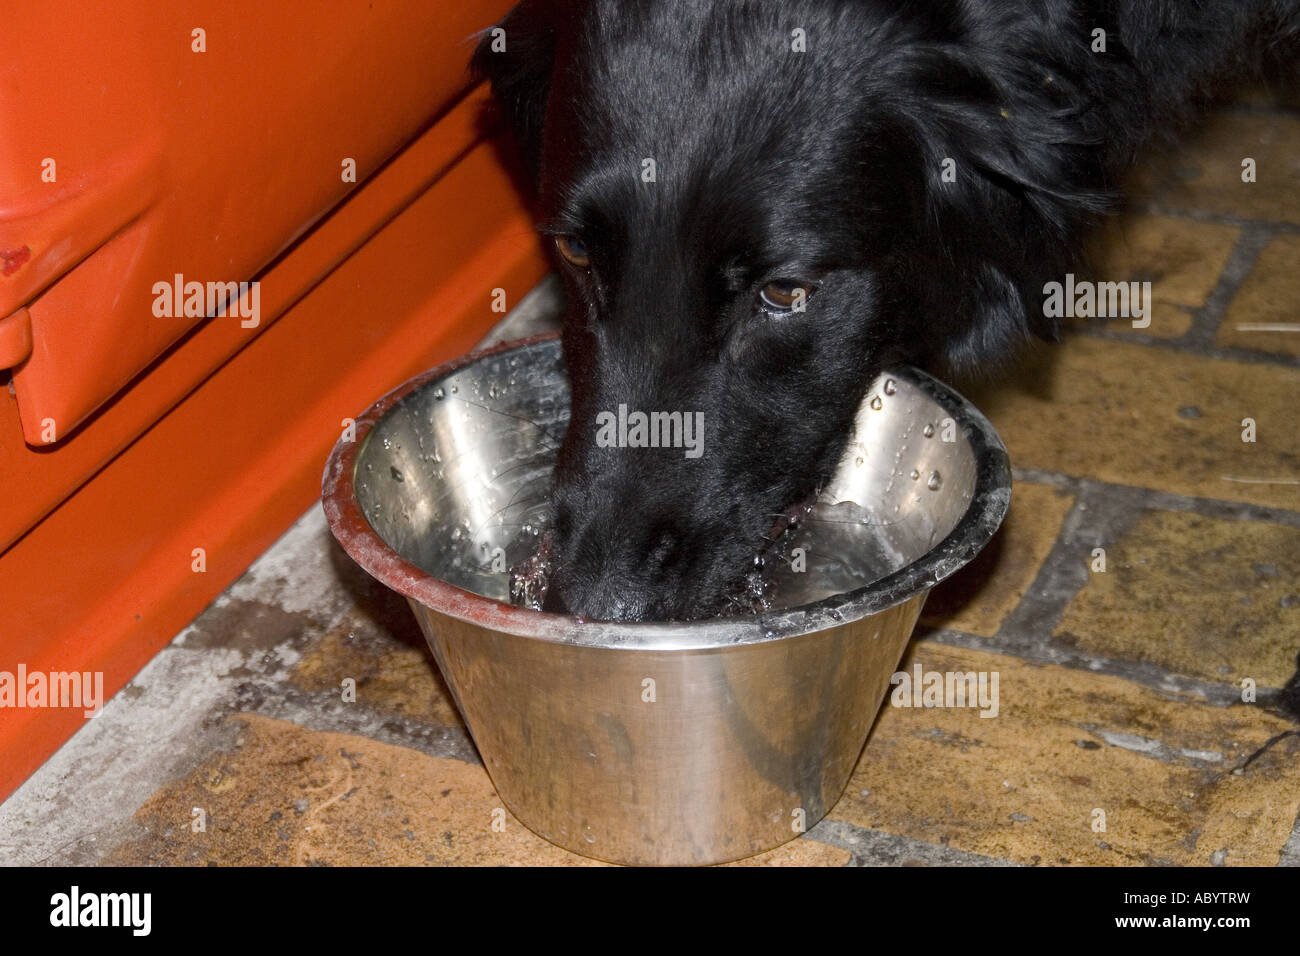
(660, 742)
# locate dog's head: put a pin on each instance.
(755, 209)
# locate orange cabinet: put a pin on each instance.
(146, 147)
(325, 160)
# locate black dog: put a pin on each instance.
(758, 205)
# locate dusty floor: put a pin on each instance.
(1121, 691)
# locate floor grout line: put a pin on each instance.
(870, 847)
(1049, 650)
(1290, 855)
(1222, 219)
(1242, 260)
(1219, 353)
(326, 712)
(1157, 500)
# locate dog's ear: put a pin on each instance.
(1012, 181)
(517, 56)
(1002, 240)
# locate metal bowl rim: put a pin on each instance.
(983, 516)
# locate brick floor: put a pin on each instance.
(1123, 734)
(1024, 785)
(1267, 301)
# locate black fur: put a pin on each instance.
(822, 165)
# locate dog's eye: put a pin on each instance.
(785, 295)
(573, 250)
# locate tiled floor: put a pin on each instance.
(1121, 690)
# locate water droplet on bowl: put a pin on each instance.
(876, 403)
(935, 481)
(928, 431)
(915, 474)
(890, 386)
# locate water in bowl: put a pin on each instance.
(832, 549)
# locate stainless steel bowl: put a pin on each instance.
(657, 743)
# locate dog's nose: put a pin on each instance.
(598, 602)
(553, 603)
(614, 582)
(665, 552)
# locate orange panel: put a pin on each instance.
(105, 580)
(39, 479)
(142, 141)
